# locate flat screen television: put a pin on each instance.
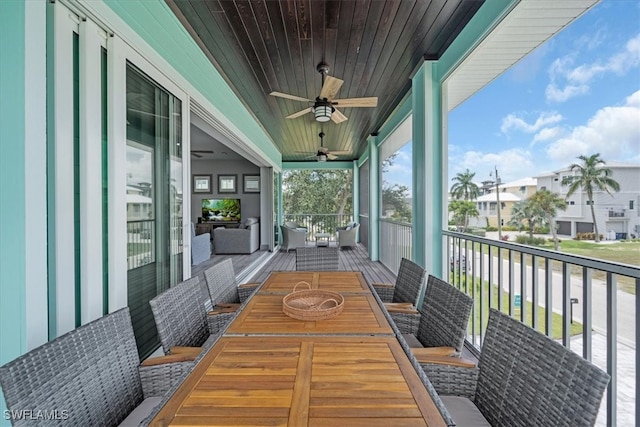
(221, 209)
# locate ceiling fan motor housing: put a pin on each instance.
(322, 110)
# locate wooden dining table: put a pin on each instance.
(268, 369)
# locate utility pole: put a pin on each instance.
(498, 205)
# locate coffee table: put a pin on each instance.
(322, 239)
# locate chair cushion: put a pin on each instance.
(463, 412)
(142, 411)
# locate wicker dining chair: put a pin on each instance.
(317, 259)
(90, 376)
(523, 378)
(444, 316)
(225, 293)
(401, 299)
(181, 319)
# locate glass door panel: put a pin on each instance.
(154, 199)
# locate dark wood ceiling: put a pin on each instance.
(262, 46)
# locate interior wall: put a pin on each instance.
(249, 202)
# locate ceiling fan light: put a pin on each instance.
(322, 157)
(323, 112)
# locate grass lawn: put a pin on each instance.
(556, 319)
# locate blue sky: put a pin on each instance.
(579, 93)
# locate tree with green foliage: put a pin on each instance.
(464, 188)
(591, 176)
(548, 204)
(526, 212)
(317, 191)
(394, 197)
(463, 210)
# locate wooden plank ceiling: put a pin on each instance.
(262, 46)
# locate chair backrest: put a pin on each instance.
(291, 224)
(528, 379)
(89, 375)
(409, 282)
(317, 259)
(180, 316)
(444, 315)
(221, 282)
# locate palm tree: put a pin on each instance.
(548, 203)
(591, 176)
(526, 211)
(462, 210)
(464, 188)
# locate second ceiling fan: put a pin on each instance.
(323, 153)
(324, 106)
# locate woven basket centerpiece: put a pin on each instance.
(312, 304)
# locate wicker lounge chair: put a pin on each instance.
(226, 296)
(444, 316)
(523, 378)
(293, 238)
(317, 259)
(181, 319)
(88, 377)
(401, 299)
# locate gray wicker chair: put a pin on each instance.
(401, 299)
(523, 378)
(347, 235)
(293, 238)
(444, 317)
(317, 259)
(181, 319)
(225, 293)
(91, 376)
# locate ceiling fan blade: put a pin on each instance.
(338, 117)
(299, 113)
(356, 102)
(330, 87)
(331, 156)
(195, 154)
(338, 152)
(287, 96)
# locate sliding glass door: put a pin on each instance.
(154, 199)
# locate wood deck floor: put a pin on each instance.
(351, 259)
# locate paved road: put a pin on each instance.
(625, 306)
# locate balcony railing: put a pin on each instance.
(617, 214)
(589, 305)
(395, 243)
(140, 243)
(319, 223)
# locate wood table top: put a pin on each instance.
(344, 282)
(302, 381)
(263, 315)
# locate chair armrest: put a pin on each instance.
(432, 354)
(180, 349)
(449, 379)
(158, 379)
(245, 290)
(384, 291)
(168, 358)
(400, 307)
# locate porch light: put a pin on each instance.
(322, 110)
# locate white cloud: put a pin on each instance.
(614, 132)
(512, 121)
(512, 164)
(548, 134)
(568, 81)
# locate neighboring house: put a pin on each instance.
(139, 204)
(510, 194)
(617, 214)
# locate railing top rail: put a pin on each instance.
(391, 221)
(598, 264)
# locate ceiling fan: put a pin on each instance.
(323, 154)
(324, 106)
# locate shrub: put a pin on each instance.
(542, 230)
(505, 237)
(587, 236)
(492, 228)
(509, 228)
(524, 239)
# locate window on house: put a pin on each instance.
(572, 203)
(523, 189)
(589, 202)
(544, 187)
(631, 205)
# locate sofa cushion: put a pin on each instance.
(141, 412)
(251, 220)
(463, 412)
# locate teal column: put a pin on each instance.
(356, 193)
(374, 198)
(428, 169)
(279, 196)
(13, 321)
